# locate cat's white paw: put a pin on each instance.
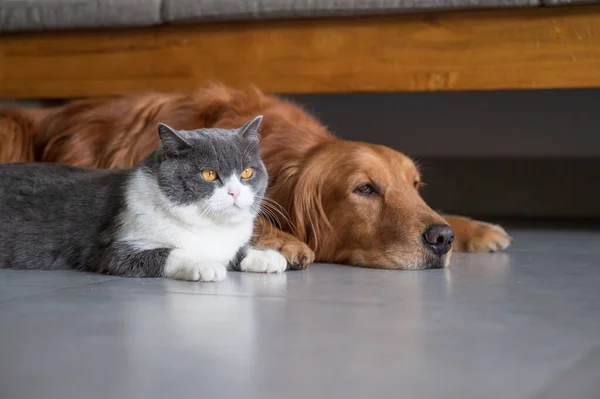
(209, 272)
(263, 261)
(183, 266)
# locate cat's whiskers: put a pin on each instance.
(273, 219)
(274, 207)
(264, 209)
(269, 222)
(269, 216)
(204, 208)
(276, 204)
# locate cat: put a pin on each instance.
(185, 212)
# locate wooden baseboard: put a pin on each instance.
(465, 50)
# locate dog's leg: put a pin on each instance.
(474, 236)
(266, 236)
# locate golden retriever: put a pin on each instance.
(329, 200)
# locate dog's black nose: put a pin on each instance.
(439, 238)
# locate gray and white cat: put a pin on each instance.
(185, 212)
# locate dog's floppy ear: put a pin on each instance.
(308, 213)
(298, 188)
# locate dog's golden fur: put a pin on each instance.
(313, 175)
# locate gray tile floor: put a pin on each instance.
(520, 324)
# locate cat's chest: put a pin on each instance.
(206, 240)
(214, 242)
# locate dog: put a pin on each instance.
(329, 200)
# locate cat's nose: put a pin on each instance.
(233, 193)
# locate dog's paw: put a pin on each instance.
(263, 261)
(182, 266)
(298, 255)
(486, 237)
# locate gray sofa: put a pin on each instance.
(35, 15)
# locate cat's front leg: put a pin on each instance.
(185, 265)
(261, 261)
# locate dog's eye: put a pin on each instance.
(418, 184)
(365, 189)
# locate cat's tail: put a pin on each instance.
(17, 136)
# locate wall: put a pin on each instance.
(503, 154)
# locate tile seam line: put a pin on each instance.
(52, 291)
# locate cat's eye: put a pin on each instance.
(209, 174)
(247, 173)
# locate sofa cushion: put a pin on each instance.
(194, 10)
(18, 15)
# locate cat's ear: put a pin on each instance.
(170, 141)
(250, 129)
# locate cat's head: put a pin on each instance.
(217, 170)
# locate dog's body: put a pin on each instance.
(342, 201)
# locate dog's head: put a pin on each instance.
(359, 203)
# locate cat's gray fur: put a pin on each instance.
(57, 216)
